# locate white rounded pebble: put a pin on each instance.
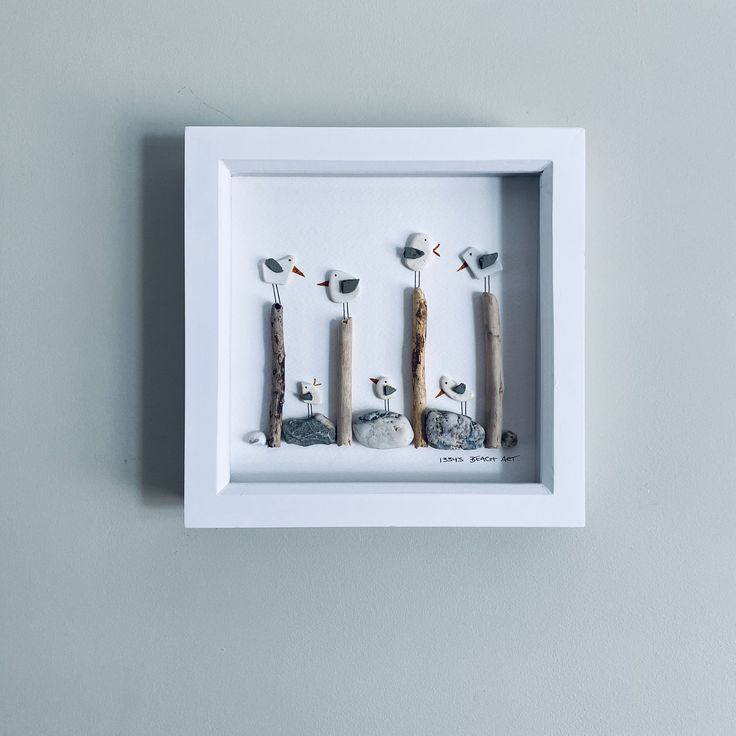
(255, 438)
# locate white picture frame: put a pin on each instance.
(214, 156)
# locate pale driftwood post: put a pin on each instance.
(345, 382)
(278, 361)
(493, 367)
(418, 365)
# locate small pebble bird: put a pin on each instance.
(277, 272)
(341, 289)
(383, 389)
(310, 394)
(417, 254)
(456, 391)
(480, 265)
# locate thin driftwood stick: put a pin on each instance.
(345, 382)
(278, 362)
(494, 368)
(418, 365)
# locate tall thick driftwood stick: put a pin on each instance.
(493, 367)
(345, 382)
(418, 365)
(278, 362)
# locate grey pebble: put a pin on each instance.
(447, 430)
(306, 431)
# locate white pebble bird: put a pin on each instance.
(418, 253)
(277, 272)
(480, 265)
(310, 394)
(341, 289)
(383, 389)
(456, 391)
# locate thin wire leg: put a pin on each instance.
(347, 306)
(278, 294)
(419, 275)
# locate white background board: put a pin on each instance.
(358, 224)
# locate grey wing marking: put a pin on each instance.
(273, 265)
(307, 396)
(460, 389)
(411, 254)
(487, 259)
(388, 390)
(348, 286)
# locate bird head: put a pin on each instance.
(290, 263)
(466, 260)
(445, 383)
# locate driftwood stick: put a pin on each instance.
(278, 362)
(418, 365)
(493, 368)
(345, 382)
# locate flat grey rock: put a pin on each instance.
(306, 431)
(382, 430)
(447, 430)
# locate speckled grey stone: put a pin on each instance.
(305, 431)
(382, 430)
(447, 430)
(509, 439)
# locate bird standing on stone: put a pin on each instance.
(310, 394)
(417, 254)
(456, 391)
(277, 272)
(480, 265)
(383, 389)
(341, 289)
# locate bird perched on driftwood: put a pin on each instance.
(383, 389)
(417, 254)
(456, 391)
(341, 289)
(277, 272)
(310, 394)
(480, 265)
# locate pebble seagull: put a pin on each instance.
(417, 254)
(455, 391)
(310, 394)
(341, 289)
(480, 265)
(383, 389)
(277, 272)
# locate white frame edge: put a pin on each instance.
(214, 154)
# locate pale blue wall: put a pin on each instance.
(117, 621)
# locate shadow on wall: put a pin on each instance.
(162, 319)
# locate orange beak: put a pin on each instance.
(440, 393)
(375, 380)
(435, 249)
(323, 283)
(296, 271)
(463, 265)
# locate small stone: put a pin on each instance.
(447, 430)
(306, 431)
(255, 438)
(382, 430)
(509, 439)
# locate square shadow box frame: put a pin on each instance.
(348, 198)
